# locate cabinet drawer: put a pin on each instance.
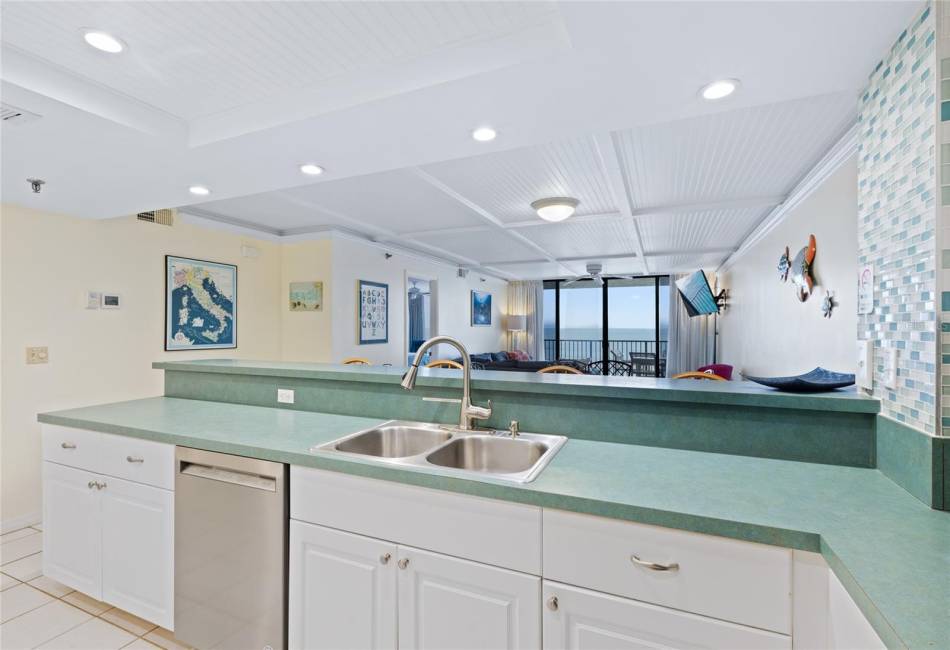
(586, 620)
(72, 447)
(494, 532)
(142, 461)
(718, 577)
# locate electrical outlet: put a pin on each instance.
(285, 396)
(37, 355)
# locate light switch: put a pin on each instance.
(37, 355)
(864, 377)
(285, 396)
(890, 369)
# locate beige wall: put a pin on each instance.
(306, 335)
(766, 330)
(48, 261)
(97, 356)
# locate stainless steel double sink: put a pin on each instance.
(486, 453)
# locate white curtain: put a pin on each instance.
(692, 340)
(527, 298)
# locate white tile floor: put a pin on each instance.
(37, 612)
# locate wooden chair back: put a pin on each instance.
(444, 363)
(356, 361)
(559, 370)
(695, 374)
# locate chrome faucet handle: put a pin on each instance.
(514, 429)
(478, 412)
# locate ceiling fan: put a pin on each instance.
(594, 272)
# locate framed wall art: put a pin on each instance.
(481, 309)
(200, 304)
(373, 312)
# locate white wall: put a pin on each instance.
(766, 330)
(98, 356)
(353, 261)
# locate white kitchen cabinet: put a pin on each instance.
(138, 545)
(108, 515)
(342, 590)
(448, 603)
(579, 619)
(346, 590)
(71, 528)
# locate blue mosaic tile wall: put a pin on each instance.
(897, 220)
(943, 279)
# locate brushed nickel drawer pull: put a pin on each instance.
(653, 566)
(133, 459)
(68, 445)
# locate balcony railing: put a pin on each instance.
(641, 353)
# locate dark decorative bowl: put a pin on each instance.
(815, 381)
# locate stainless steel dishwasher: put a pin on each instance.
(230, 551)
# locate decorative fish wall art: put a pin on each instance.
(802, 276)
(784, 264)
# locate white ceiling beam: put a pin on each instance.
(384, 235)
(659, 210)
(41, 77)
(494, 221)
(616, 182)
(616, 256)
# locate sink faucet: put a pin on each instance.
(470, 412)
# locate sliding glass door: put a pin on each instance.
(623, 322)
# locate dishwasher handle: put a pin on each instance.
(227, 475)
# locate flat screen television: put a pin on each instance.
(697, 296)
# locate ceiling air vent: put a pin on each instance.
(163, 217)
(13, 115)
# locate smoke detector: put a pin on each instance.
(37, 184)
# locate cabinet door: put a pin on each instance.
(588, 620)
(71, 542)
(138, 546)
(447, 603)
(342, 590)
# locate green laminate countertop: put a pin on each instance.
(891, 552)
(741, 393)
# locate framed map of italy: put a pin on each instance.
(200, 304)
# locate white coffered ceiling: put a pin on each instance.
(592, 100)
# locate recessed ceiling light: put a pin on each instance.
(103, 41)
(557, 208)
(199, 190)
(311, 170)
(484, 134)
(719, 89)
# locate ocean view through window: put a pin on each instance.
(620, 328)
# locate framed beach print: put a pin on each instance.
(306, 296)
(374, 312)
(481, 308)
(200, 304)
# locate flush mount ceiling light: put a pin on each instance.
(103, 41)
(719, 89)
(199, 190)
(484, 134)
(311, 169)
(557, 208)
